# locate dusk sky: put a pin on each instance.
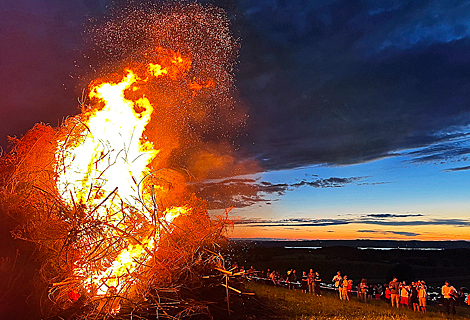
(359, 111)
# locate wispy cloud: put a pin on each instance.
(392, 215)
(383, 232)
(368, 219)
(457, 169)
(246, 192)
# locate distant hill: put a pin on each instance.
(362, 244)
(432, 261)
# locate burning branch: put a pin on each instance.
(103, 196)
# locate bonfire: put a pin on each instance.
(105, 195)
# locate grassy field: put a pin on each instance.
(288, 304)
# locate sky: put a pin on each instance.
(359, 111)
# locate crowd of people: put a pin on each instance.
(413, 296)
(399, 294)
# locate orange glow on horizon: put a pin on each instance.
(350, 232)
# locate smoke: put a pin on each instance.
(195, 126)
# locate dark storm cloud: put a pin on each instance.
(350, 81)
(328, 81)
(245, 192)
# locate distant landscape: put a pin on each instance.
(377, 261)
(385, 244)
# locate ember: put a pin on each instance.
(105, 195)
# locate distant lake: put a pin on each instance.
(398, 248)
(303, 247)
(373, 248)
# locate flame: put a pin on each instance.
(113, 134)
(100, 173)
(118, 275)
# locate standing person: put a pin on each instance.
(274, 278)
(414, 301)
(461, 297)
(350, 285)
(449, 293)
(337, 281)
(378, 291)
(291, 278)
(304, 284)
(311, 280)
(422, 296)
(316, 284)
(295, 279)
(387, 293)
(404, 294)
(394, 287)
(363, 290)
(344, 288)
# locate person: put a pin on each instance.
(304, 284)
(291, 279)
(363, 290)
(296, 282)
(274, 278)
(414, 301)
(337, 281)
(350, 286)
(461, 297)
(311, 280)
(449, 293)
(404, 294)
(422, 296)
(267, 274)
(344, 288)
(387, 293)
(394, 287)
(316, 284)
(378, 291)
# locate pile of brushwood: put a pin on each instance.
(52, 239)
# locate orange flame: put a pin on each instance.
(101, 172)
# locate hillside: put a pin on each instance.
(280, 303)
(377, 266)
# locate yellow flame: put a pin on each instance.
(117, 275)
(102, 170)
(156, 69)
(111, 154)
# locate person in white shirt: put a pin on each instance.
(337, 279)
